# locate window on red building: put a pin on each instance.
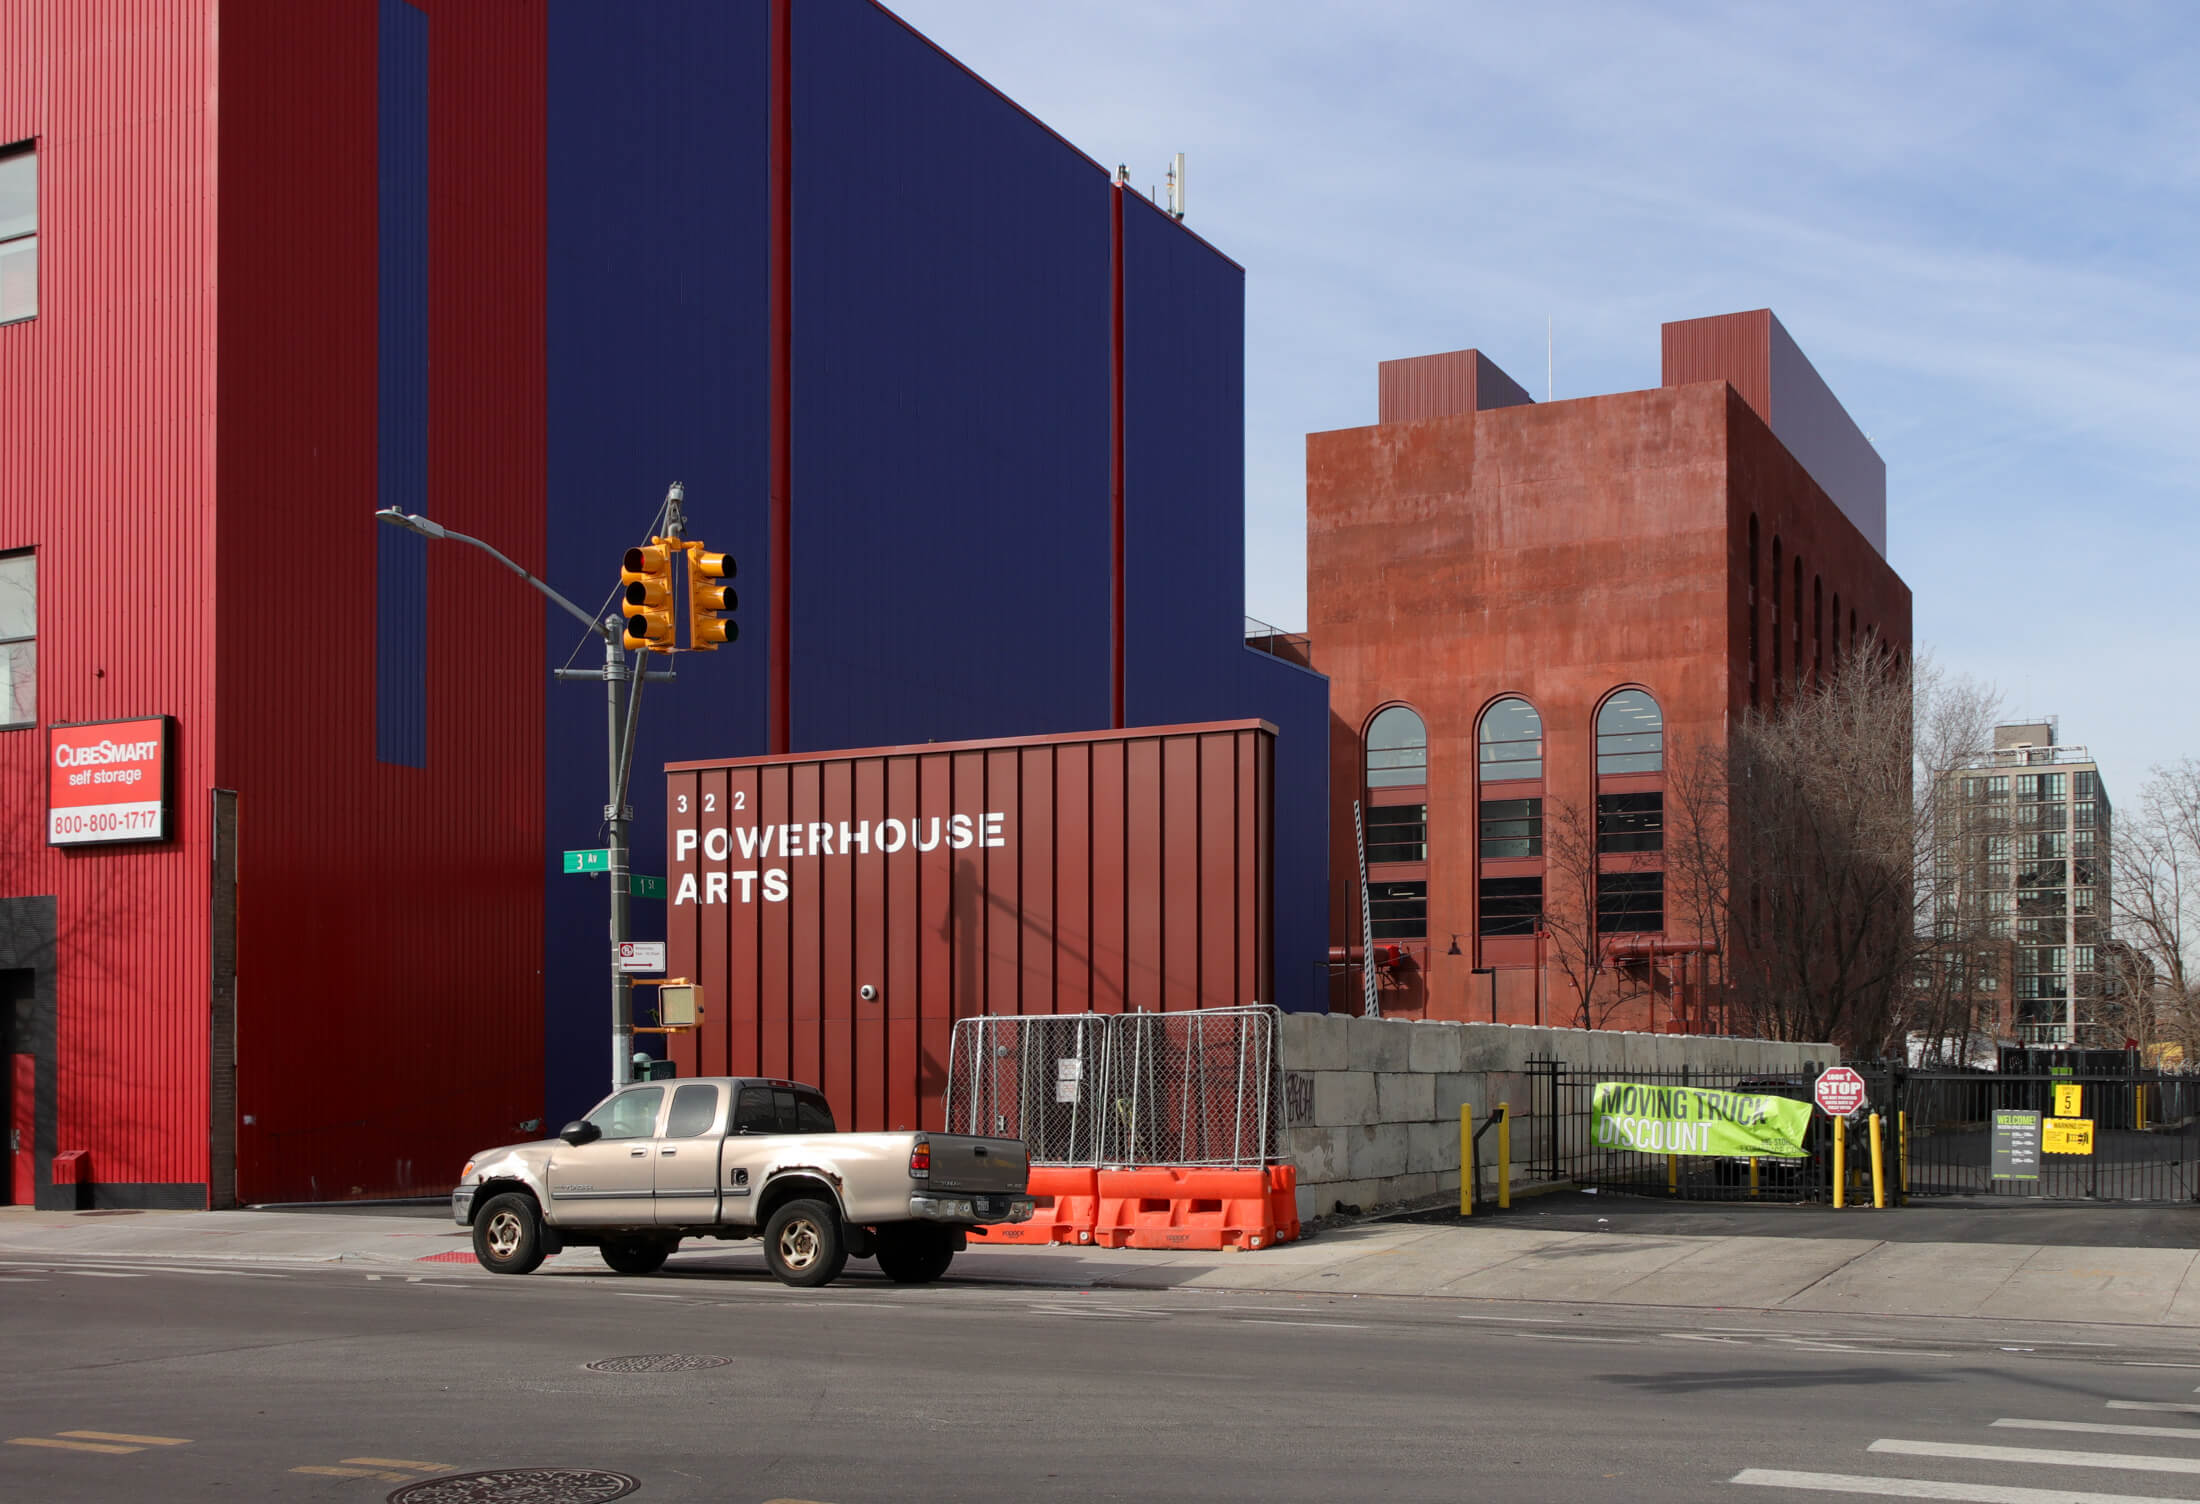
(1511, 905)
(1397, 833)
(1511, 741)
(1630, 734)
(18, 233)
(1630, 822)
(1511, 829)
(1397, 749)
(1630, 902)
(18, 639)
(1398, 910)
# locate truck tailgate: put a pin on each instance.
(961, 1163)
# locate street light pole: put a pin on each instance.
(621, 717)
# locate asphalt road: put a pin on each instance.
(173, 1382)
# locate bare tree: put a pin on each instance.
(1961, 939)
(1570, 904)
(2154, 990)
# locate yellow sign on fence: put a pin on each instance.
(2067, 1096)
(2066, 1135)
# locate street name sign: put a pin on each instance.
(638, 886)
(641, 955)
(1840, 1092)
(2067, 1136)
(2016, 1151)
(598, 860)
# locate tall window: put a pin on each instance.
(1398, 911)
(1511, 829)
(1630, 903)
(1511, 905)
(1397, 749)
(1630, 822)
(1511, 741)
(1776, 633)
(1397, 833)
(1752, 608)
(1630, 734)
(18, 234)
(18, 639)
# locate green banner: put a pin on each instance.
(1691, 1120)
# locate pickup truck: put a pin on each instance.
(737, 1157)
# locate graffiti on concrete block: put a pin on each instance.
(1298, 1098)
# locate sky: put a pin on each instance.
(1979, 221)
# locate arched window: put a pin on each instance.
(1630, 734)
(1397, 749)
(1512, 741)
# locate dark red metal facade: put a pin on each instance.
(1109, 871)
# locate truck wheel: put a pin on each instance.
(913, 1255)
(804, 1245)
(508, 1235)
(635, 1255)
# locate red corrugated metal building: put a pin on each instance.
(842, 910)
(268, 267)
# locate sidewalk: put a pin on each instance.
(1506, 1258)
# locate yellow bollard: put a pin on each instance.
(1902, 1150)
(1466, 1159)
(1879, 1184)
(1504, 1156)
(1672, 1174)
(1753, 1176)
(1840, 1163)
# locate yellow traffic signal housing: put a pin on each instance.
(647, 601)
(706, 627)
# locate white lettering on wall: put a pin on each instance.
(816, 838)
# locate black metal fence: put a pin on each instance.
(1937, 1136)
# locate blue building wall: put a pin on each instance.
(949, 456)
(1185, 657)
(401, 382)
(658, 335)
(950, 554)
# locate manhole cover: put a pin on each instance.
(658, 1363)
(520, 1485)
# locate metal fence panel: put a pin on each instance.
(1039, 1078)
(1197, 1088)
(1202, 1087)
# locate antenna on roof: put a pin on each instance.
(1176, 187)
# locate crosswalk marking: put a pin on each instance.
(2169, 1405)
(68, 1446)
(2043, 1456)
(143, 1441)
(2095, 1428)
(425, 1467)
(1928, 1488)
(356, 1472)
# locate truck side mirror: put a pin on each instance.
(580, 1131)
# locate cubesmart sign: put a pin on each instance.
(108, 781)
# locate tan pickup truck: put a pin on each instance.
(738, 1157)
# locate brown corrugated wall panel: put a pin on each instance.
(1734, 347)
(1425, 386)
(995, 878)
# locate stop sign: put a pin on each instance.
(1840, 1092)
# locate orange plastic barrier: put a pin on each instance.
(1197, 1208)
(1068, 1201)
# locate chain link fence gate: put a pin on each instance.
(1203, 1087)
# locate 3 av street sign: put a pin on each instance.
(598, 860)
(1840, 1092)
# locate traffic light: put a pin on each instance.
(648, 599)
(706, 628)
